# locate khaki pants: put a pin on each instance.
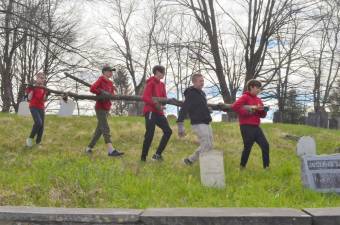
(102, 128)
(205, 138)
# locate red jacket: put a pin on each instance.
(154, 88)
(106, 85)
(38, 97)
(246, 117)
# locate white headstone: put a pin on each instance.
(321, 172)
(66, 108)
(24, 109)
(212, 169)
(306, 146)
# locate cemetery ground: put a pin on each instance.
(60, 174)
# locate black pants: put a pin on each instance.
(151, 120)
(250, 135)
(38, 116)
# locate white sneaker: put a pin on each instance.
(88, 150)
(29, 142)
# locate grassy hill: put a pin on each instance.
(59, 173)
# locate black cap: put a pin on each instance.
(108, 68)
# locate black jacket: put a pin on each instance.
(195, 104)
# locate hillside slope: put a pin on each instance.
(60, 174)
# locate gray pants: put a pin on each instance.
(205, 138)
(102, 128)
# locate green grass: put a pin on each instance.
(59, 173)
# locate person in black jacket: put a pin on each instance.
(195, 105)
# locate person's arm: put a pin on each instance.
(29, 93)
(238, 106)
(184, 109)
(95, 87)
(182, 114)
(262, 111)
(147, 95)
(46, 94)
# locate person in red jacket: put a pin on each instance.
(104, 88)
(37, 96)
(249, 120)
(154, 114)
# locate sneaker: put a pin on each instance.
(115, 153)
(157, 157)
(88, 150)
(187, 162)
(29, 142)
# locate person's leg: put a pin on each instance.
(264, 145)
(105, 128)
(97, 133)
(41, 129)
(37, 122)
(204, 135)
(163, 123)
(149, 133)
(248, 136)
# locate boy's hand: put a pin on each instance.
(260, 107)
(104, 94)
(251, 109)
(222, 106)
(181, 129)
(159, 106)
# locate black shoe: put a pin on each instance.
(187, 162)
(115, 153)
(157, 157)
(143, 158)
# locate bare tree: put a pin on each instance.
(204, 12)
(324, 62)
(264, 19)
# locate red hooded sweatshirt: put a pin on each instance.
(154, 88)
(245, 117)
(106, 85)
(38, 97)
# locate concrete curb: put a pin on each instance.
(168, 216)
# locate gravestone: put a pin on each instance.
(66, 108)
(317, 119)
(306, 146)
(333, 123)
(24, 109)
(212, 169)
(321, 172)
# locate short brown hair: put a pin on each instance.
(253, 83)
(195, 76)
(158, 68)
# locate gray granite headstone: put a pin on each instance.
(321, 172)
(24, 109)
(212, 169)
(306, 146)
(66, 108)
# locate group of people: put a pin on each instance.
(195, 107)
